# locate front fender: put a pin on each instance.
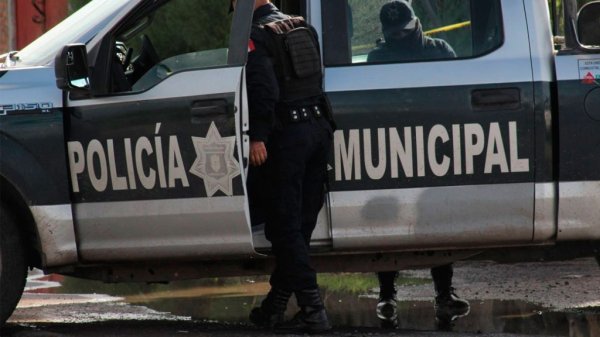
(33, 162)
(33, 158)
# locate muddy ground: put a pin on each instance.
(527, 299)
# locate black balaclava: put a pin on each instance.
(397, 17)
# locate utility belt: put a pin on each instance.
(301, 114)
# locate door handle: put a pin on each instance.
(204, 111)
(496, 99)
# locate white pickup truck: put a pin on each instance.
(123, 141)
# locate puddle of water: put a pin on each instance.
(231, 299)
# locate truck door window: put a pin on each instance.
(460, 29)
(177, 36)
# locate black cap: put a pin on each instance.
(397, 14)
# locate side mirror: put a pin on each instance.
(71, 69)
(588, 25)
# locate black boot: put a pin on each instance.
(449, 307)
(311, 318)
(272, 309)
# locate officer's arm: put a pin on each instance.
(263, 90)
(258, 153)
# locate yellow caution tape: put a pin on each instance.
(429, 32)
(448, 28)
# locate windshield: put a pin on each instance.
(77, 28)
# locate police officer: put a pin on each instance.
(290, 138)
(404, 42)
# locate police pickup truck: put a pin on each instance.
(123, 141)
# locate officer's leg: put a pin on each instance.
(315, 177)
(442, 278)
(387, 284)
(387, 306)
(256, 186)
(272, 309)
(284, 225)
(448, 306)
(283, 229)
(312, 316)
(314, 197)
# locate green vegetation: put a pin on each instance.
(360, 283)
(559, 11)
(183, 26)
(348, 283)
(75, 5)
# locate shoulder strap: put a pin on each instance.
(264, 21)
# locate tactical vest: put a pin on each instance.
(296, 58)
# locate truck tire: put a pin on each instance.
(13, 270)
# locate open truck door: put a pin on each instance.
(156, 134)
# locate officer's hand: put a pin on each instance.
(258, 153)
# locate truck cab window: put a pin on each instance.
(381, 31)
(176, 36)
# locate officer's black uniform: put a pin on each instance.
(298, 136)
(413, 45)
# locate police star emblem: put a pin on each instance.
(215, 163)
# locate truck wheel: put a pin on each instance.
(13, 271)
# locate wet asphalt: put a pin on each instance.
(550, 299)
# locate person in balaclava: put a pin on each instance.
(404, 39)
(405, 42)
